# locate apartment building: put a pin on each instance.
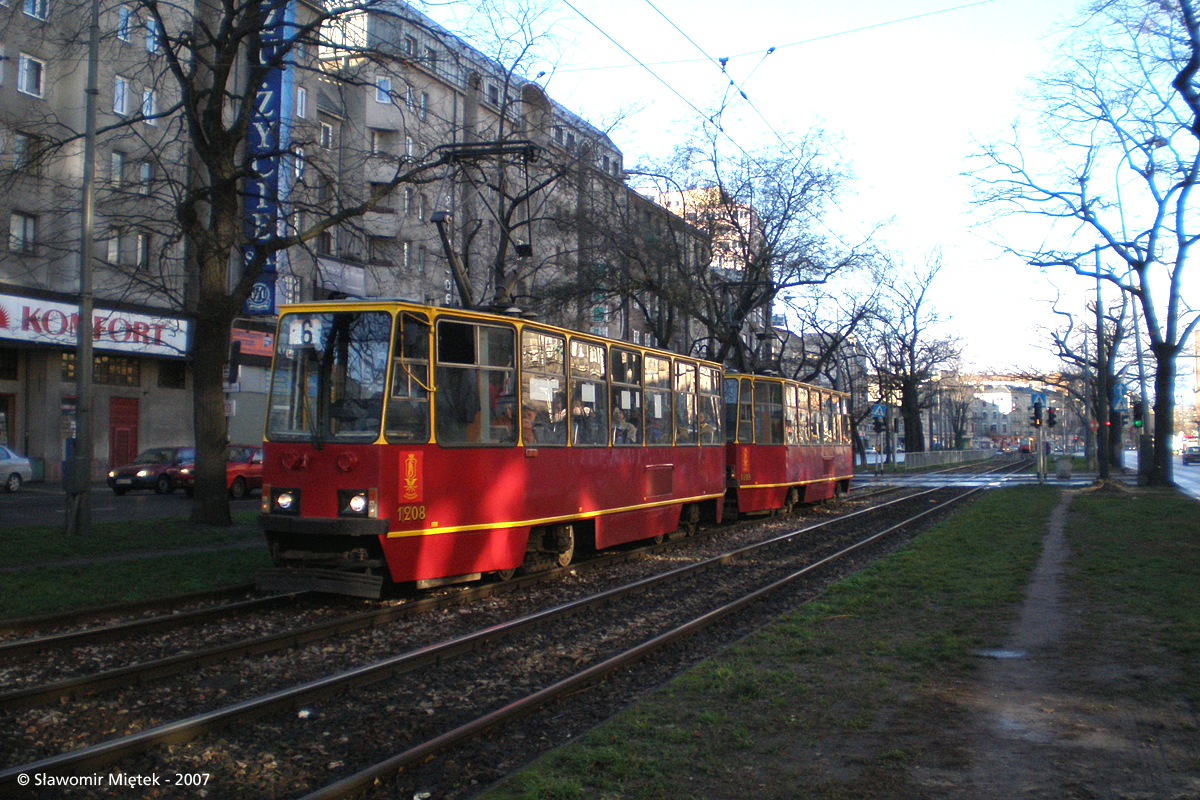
(387, 107)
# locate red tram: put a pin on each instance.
(425, 445)
(788, 443)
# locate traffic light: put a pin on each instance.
(1050, 420)
(880, 425)
(1139, 415)
(1036, 419)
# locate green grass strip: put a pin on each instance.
(765, 718)
(37, 544)
(50, 590)
(1137, 554)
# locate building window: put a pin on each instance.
(121, 96)
(379, 251)
(493, 94)
(106, 370)
(408, 200)
(36, 8)
(423, 108)
(149, 107)
(326, 135)
(22, 233)
(153, 36)
(298, 163)
(408, 145)
(410, 45)
(380, 141)
(27, 153)
(431, 59)
(8, 364)
(117, 172)
(406, 255)
(124, 23)
(325, 243)
(301, 102)
(145, 177)
(383, 89)
(422, 254)
(114, 247)
(31, 75)
(172, 374)
(143, 251)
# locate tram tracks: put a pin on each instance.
(528, 655)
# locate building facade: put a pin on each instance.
(485, 192)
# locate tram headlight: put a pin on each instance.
(358, 503)
(285, 501)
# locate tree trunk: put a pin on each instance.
(210, 506)
(1161, 472)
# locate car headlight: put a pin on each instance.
(142, 473)
(185, 471)
(112, 473)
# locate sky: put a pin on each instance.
(908, 86)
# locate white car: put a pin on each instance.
(14, 469)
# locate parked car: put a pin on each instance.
(14, 470)
(243, 471)
(158, 468)
(1191, 454)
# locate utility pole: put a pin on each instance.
(79, 469)
(1102, 404)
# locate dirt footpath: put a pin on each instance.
(1060, 711)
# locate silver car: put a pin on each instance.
(14, 469)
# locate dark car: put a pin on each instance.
(158, 468)
(243, 471)
(1191, 454)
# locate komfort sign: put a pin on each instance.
(44, 322)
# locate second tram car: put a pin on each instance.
(423, 445)
(788, 443)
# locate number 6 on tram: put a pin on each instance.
(417, 445)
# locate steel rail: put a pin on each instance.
(87, 636)
(119, 609)
(364, 778)
(191, 727)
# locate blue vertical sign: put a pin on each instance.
(266, 143)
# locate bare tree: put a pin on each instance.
(905, 352)
(1116, 164)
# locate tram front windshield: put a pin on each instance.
(328, 379)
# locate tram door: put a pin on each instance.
(122, 430)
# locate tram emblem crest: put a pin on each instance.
(410, 479)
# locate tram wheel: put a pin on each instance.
(789, 503)
(506, 574)
(689, 520)
(565, 541)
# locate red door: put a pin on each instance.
(122, 430)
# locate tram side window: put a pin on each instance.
(589, 395)
(802, 418)
(658, 401)
(830, 421)
(709, 387)
(814, 417)
(746, 412)
(408, 400)
(731, 409)
(685, 403)
(791, 425)
(768, 412)
(544, 416)
(475, 379)
(626, 397)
